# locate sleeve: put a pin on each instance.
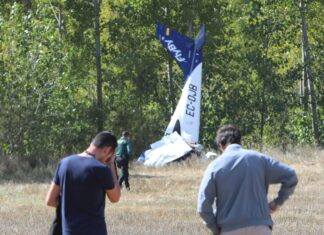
(281, 173)
(206, 199)
(129, 150)
(106, 177)
(56, 178)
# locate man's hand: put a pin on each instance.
(110, 161)
(273, 207)
(111, 157)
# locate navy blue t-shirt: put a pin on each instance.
(83, 182)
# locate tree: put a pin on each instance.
(100, 121)
(307, 78)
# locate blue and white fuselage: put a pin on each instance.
(188, 55)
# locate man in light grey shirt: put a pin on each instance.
(237, 182)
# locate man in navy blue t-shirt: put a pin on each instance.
(82, 181)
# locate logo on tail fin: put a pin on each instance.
(173, 48)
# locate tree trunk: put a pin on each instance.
(263, 113)
(190, 17)
(170, 75)
(98, 66)
(304, 81)
(60, 21)
(28, 6)
(59, 18)
(307, 77)
(171, 87)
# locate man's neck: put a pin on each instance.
(90, 153)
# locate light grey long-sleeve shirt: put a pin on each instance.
(238, 182)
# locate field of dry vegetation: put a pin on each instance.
(163, 200)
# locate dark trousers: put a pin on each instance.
(123, 165)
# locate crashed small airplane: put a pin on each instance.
(182, 133)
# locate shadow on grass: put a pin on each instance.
(27, 178)
(138, 176)
(23, 174)
(45, 175)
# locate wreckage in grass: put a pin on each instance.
(182, 134)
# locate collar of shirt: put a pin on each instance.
(232, 147)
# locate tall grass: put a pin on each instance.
(163, 200)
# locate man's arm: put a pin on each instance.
(52, 197)
(281, 173)
(129, 150)
(206, 199)
(113, 194)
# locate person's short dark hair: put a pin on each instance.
(105, 139)
(125, 134)
(228, 134)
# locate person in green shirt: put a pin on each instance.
(123, 155)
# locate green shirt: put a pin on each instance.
(124, 149)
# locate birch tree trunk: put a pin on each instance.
(171, 86)
(98, 66)
(307, 77)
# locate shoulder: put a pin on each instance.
(67, 159)
(94, 163)
(251, 152)
(258, 158)
(215, 166)
(97, 164)
(121, 141)
(257, 154)
(93, 166)
(232, 153)
(102, 170)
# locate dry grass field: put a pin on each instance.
(163, 200)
